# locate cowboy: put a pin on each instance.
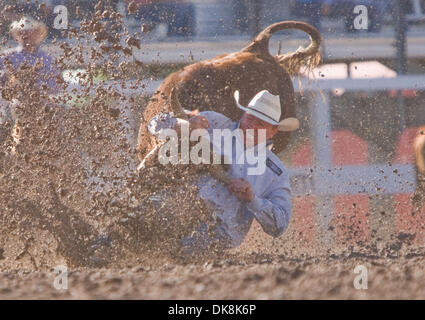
(24, 63)
(29, 33)
(263, 196)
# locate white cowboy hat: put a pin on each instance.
(266, 107)
(28, 24)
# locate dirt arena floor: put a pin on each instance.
(234, 278)
(262, 268)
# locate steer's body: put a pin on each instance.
(209, 84)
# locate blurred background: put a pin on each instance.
(221, 18)
(224, 18)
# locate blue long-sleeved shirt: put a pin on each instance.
(271, 205)
(47, 74)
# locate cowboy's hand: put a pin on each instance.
(198, 122)
(241, 189)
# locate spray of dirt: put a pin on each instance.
(68, 185)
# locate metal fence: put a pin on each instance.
(325, 181)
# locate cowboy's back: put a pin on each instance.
(271, 205)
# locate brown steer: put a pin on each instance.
(210, 84)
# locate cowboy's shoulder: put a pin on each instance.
(217, 120)
(275, 165)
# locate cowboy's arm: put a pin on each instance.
(273, 211)
(216, 120)
(203, 120)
